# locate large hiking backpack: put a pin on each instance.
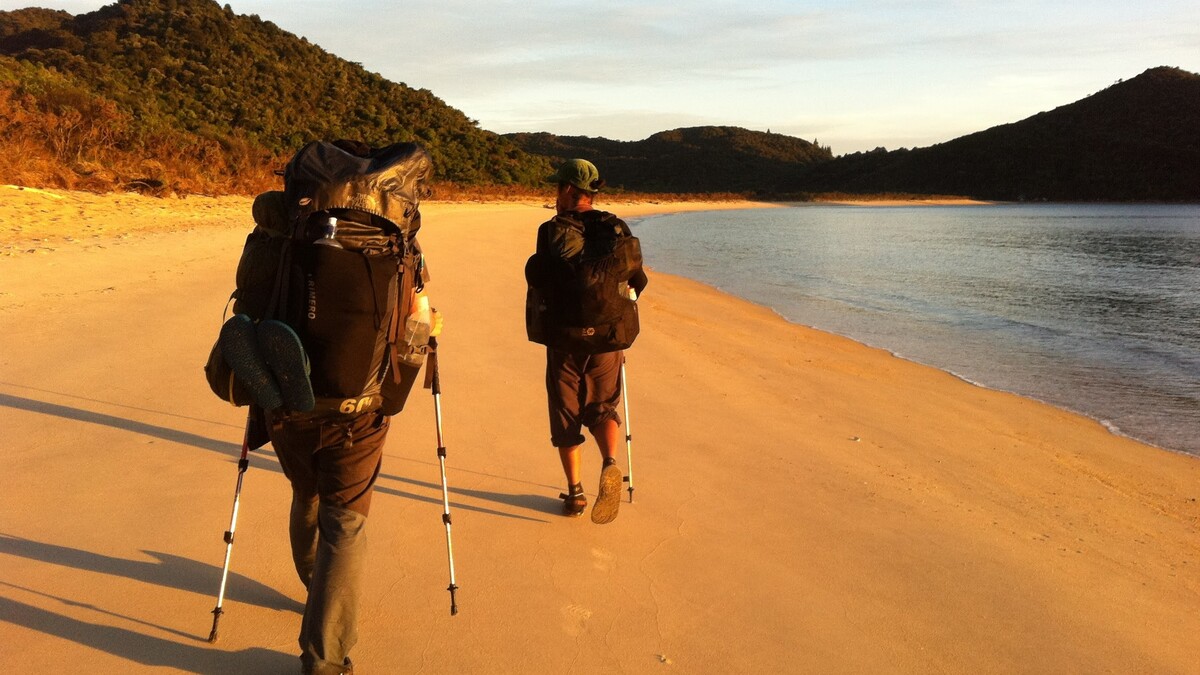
(580, 302)
(334, 256)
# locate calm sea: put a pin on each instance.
(1092, 308)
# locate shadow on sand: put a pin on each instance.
(196, 657)
(78, 414)
(538, 503)
(168, 571)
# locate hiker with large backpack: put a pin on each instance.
(584, 280)
(330, 328)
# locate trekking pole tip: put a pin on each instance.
(212, 636)
(453, 604)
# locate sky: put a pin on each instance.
(852, 75)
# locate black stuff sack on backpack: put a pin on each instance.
(581, 303)
(334, 256)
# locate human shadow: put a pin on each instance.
(81, 415)
(491, 496)
(145, 649)
(167, 570)
(155, 411)
(538, 503)
(99, 610)
(165, 433)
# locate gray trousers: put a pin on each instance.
(332, 468)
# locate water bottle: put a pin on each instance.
(416, 331)
(330, 233)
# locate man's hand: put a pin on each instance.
(436, 328)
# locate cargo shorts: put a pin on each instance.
(583, 390)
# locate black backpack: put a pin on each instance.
(346, 302)
(581, 303)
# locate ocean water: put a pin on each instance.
(1093, 308)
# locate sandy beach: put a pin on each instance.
(803, 504)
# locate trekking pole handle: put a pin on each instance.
(434, 374)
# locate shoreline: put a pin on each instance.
(1144, 434)
(813, 495)
(1107, 424)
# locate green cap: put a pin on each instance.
(578, 172)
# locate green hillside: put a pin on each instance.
(160, 73)
(698, 159)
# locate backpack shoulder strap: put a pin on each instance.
(565, 224)
(561, 237)
(620, 229)
(572, 219)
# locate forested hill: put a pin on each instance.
(698, 159)
(1138, 140)
(138, 89)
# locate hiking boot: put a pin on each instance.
(281, 348)
(609, 498)
(574, 503)
(239, 347)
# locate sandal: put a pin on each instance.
(284, 354)
(574, 503)
(609, 498)
(239, 346)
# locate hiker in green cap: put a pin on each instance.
(583, 286)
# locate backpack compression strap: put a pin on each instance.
(407, 283)
(277, 307)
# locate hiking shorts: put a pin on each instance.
(335, 460)
(583, 390)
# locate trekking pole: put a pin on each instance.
(441, 451)
(628, 431)
(243, 463)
